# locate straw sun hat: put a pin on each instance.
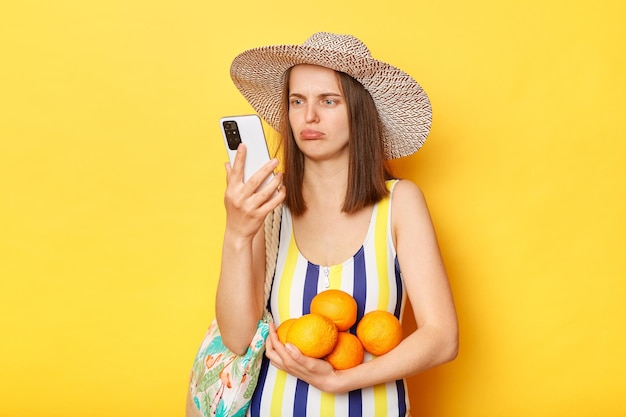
(403, 106)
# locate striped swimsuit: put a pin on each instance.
(372, 277)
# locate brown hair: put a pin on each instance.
(367, 167)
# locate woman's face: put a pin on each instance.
(318, 112)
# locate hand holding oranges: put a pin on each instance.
(314, 334)
(323, 332)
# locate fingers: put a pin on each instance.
(265, 188)
(293, 352)
(275, 350)
(236, 169)
(273, 192)
(247, 204)
(240, 157)
(256, 181)
(271, 344)
(286, 357)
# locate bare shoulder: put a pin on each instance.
(409, 212)
(408, 199)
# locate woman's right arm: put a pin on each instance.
(239, 301)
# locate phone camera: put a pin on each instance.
(232, 134)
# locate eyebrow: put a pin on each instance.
(322, 95)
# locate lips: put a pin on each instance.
(309, 134)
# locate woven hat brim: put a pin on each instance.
(403, 106)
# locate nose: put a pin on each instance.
(311, 115)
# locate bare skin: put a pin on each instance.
(243, 253)
(326, 235)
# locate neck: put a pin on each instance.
(325, 185)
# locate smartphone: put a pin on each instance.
(246, 129)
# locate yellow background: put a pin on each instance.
(111, 182)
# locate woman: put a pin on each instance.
(345, 225)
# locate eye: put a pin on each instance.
(295, 102)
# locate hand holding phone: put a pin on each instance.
(246, 129)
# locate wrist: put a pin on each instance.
(337, 383)
(234, 239)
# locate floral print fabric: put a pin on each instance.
(222, 383)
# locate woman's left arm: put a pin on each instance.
(436, 339)
(425, 278)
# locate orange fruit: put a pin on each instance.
(348, 352)
(313, 334)
(379, 331)
(283, 329)
(337, 305)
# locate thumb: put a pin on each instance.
(293, 351)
